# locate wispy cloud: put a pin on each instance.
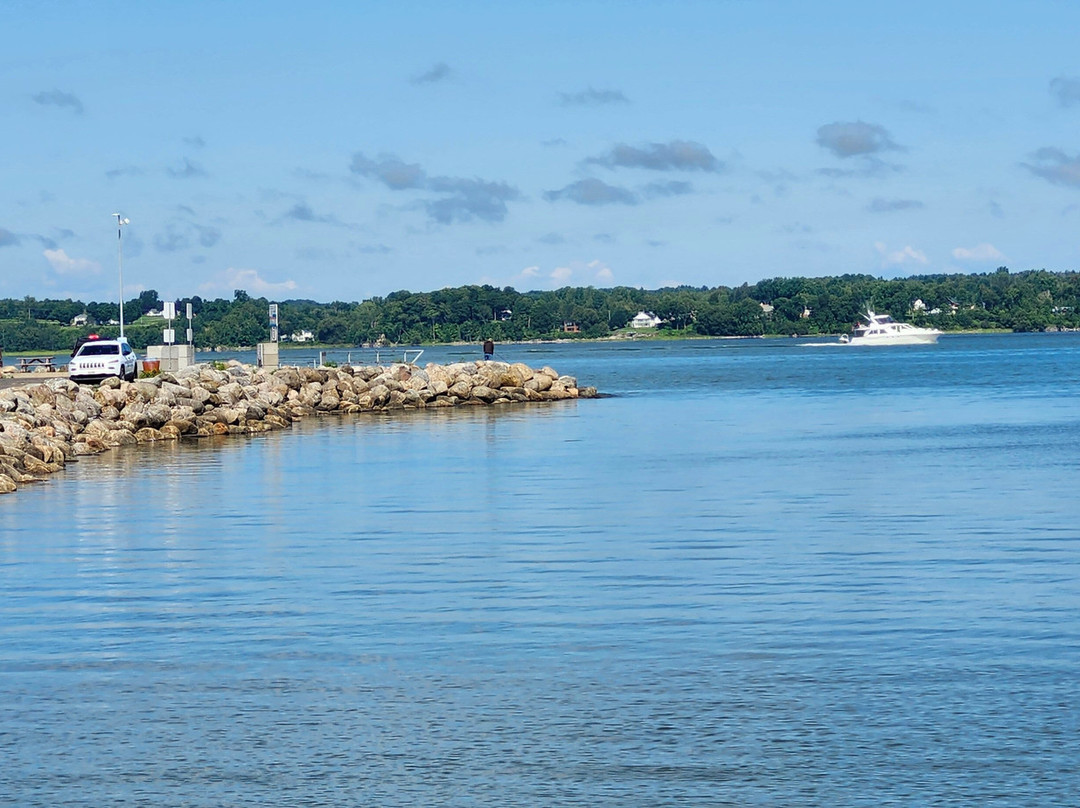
(595, 271)
(905, 255)
(462, 198)
(7, 238)
(917, 107)
(63, 264)
(436, 73)
(183, 235)
(374, 249)
(195, 141)
(468, 199)
(302, 212)
(592, 191)
(249, 280)
(187, 170)
(1066, 90)
(855, 139)
(676, 155)
(880, 205)
(391, 171)
(867, 166)
(980, 252)
(669, 188)
(59, 99)
(126, 171)
(593, 98)
(1055, 166)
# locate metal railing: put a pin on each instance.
(363, 356)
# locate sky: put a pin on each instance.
(344, 150)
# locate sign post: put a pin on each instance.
(267, 352)
(169, 334)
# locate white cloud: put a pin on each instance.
(561, 273)
(601, 271)
(529, 272)
(63, 264)
(247, 279)
(905, 255)
(980, 252)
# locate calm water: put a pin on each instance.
(762, 574)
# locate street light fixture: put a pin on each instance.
(120, 222)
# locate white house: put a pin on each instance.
(645, 320)
(301, 336)
(81, 319)
(918, 305)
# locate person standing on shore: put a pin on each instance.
(489, 350)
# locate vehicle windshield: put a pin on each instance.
(99, 349)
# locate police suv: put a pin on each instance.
(98, 359)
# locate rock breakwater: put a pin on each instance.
(45, 425)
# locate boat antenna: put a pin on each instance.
(120, 222)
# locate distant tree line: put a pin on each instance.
(1033, 300)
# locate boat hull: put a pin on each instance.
(928, 338)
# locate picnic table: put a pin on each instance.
(30, 363)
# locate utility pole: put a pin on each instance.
(120, 222)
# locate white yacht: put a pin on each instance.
(881, 329)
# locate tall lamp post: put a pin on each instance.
(120, 222)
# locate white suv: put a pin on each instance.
(99, 359)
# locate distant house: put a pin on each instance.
(81, 319)
(918, 305)
(571, 328)
(155, 313)
(301, 336)
(645, 319)
(766, 308)
(505, 315)
(806, 312)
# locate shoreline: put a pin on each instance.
(46, 423)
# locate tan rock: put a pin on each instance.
(484, 393)
(148, 435)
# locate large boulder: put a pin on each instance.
(484, 393)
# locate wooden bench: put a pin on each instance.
(28, 364)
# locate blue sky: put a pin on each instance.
(337, 151)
